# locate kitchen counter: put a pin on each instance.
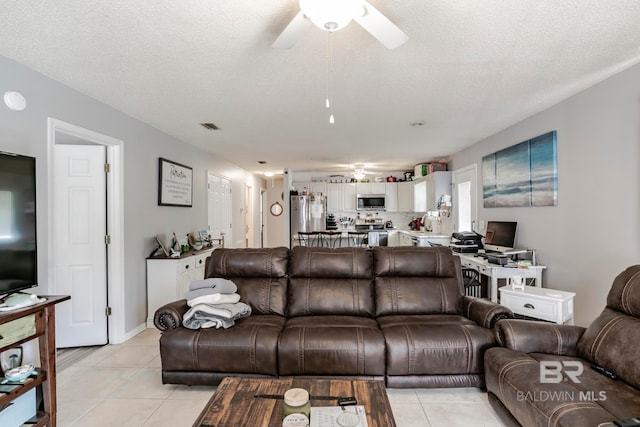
(422, 238)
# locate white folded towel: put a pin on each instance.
(220, 285)
(214, 299)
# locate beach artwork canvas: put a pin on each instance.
(524, 174)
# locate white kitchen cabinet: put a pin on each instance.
(405, 196)
(341, 197)
(168, 279)
(391, 197)
(335, 201)
(393, 238)
(405, 239)
(370, 188)
(428, 189)
(314, 187)
(349, 197)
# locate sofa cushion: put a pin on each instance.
(259, 274)
(417, 280)
(514, 378)
(609, 340)
(327, 281)
(249, 347)
(335, 345)
(434, 344)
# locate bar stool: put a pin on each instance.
(308, 238)
(330, 238)
(357, 238)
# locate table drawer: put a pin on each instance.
(527, 305)
(201, 259)
(186, 264)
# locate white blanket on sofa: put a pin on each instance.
(215, 315)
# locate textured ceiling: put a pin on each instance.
(469, 69)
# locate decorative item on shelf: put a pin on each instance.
(18, 374)
(11, 358)
(195, 242)
(161, 249)
(176, 248)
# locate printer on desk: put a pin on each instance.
(466, 242)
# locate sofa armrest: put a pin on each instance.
(529, 336)
(484, 312)
(169, 316)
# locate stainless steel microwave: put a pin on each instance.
(370, 202)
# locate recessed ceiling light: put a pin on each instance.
(418, 123)
(262, 162)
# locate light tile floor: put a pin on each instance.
(120, 385)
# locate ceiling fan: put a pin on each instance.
(332, 15)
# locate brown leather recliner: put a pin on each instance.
(397, 314)
(561, 375)
(250, 348)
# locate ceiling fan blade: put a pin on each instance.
(292, 32)
(381, 27)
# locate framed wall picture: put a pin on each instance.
(523, 175)
(175, 184)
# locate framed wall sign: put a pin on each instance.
(175, 184)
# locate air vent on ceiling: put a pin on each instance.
(209, 126)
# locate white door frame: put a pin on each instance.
(115, 219)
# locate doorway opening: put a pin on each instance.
(465, 198)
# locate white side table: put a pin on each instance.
(539, 303)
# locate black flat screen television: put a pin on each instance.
(500, 235)
(18, 269)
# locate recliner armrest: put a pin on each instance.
(529, 336)
(484, 312)
(169, 316)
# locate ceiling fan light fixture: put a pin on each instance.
(331, 15)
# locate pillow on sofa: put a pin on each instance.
(417, 280)
(325, 281)
(610, 340)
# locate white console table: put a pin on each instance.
(545, 304)
(495, 271)
(169, 278)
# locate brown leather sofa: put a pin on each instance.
(569, 390)
(392, 313)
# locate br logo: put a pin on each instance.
(551, 371)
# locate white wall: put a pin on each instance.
(26, 133)
(275, 225)
(594, 232)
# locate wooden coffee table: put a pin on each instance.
(234, 404)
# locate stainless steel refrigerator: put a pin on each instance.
(308, 213)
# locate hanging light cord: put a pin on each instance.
(329, 101)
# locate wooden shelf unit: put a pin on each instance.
(45, 321)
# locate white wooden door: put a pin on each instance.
(219, 207)
(80, 256)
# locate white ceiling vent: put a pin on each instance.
(209, 126)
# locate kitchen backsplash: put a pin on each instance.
(401, 220)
